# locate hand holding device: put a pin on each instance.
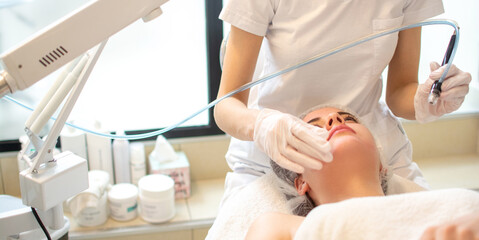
(454, 89)
(290, 142)
(435, 92)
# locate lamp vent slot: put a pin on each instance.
(52, 56)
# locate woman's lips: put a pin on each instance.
(339, 129)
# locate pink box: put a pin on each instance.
(178, 170)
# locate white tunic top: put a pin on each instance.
(296, 30)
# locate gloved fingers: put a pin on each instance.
(436, 74)
(301, 159)
(448, 106)
(433, 66)
(311, 141)
(454, 89)
(319, 152)
(310, 134)
(425, 88)
(267, 136)
(306, 155)
(462, 78)
(287, 164)
(456, 92)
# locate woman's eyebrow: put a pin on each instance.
(345, 113)
(314, 120)
(349, 114)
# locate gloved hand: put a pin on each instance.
(454, 89)
(290, 142)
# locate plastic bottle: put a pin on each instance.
(74, 140)
(137, 161)
(100, 155)
(121, 159)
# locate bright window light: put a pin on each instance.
(149, 76)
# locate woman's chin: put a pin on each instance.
(350, 146)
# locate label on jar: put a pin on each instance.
(123, 211)
(157, 211)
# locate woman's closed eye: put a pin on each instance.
(349, 118)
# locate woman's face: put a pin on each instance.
(355, 155)
(343, 127)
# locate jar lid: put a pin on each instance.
(123, 191)
(156, 186)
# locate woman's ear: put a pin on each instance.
(302, 187)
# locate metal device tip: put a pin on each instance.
(432, 99)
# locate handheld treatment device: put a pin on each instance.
(435, 92)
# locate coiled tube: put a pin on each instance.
(278, 73)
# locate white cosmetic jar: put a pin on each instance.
(88, 210)
(90, 207)
(123, 202)
(157, 198)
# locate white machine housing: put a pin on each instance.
(52, 179)
(70, 37)
(51, 185)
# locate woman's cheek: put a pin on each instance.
(349, 144)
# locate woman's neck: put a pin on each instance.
(352, 188)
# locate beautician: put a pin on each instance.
(262, 122)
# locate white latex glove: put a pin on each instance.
(454, 89)
(290, 142)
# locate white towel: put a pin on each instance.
(262, 195)
(403, 216)
(244, 206)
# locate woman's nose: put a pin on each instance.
(333, 119)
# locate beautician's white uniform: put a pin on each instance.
(296, 30)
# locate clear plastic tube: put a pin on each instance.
(278, 73)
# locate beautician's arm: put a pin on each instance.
(232, 114)
(402, 80)
(274, 226)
